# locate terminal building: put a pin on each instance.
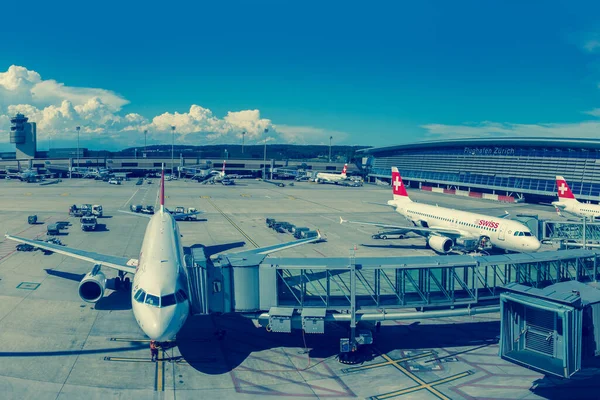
(507, 166)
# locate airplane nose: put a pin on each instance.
(535, 245)
(160, 326)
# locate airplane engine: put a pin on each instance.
(91, 287)
(440, 244)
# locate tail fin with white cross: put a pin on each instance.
(398, 189)
(564, 191)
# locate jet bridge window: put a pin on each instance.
(153, 300)
(167, 300)
(140, 296)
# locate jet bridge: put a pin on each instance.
(254, 284)
(571, 231)
(303, 293)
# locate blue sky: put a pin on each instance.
(372, 73)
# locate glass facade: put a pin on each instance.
(507, 168)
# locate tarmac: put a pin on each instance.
(53, 345)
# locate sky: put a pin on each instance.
(365, 73)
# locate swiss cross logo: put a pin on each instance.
(562, 188)
(397, 182)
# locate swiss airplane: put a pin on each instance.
(160, 298)
(332, 178)
(569, 204)
(444, 227)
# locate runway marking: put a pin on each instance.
(27, 194)
(384, 363)
(245, 195)
(65, 194)
(421, 384)
(427, 386)
(160, 372)
(127, 202)
(205, 197)
(233, 223)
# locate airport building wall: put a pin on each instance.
(503, 166)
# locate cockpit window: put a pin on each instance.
(527, 233)
(519, 233)
(153, 300)
(181, 296)
(140, 296)
(167, 300)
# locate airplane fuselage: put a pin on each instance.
(576, 208)
(502, 233)
(163, 307)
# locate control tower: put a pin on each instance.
(24, 135)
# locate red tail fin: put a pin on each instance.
(398, 188)
(564, 192)
(344, 169)
(162, 190)
(224, 161)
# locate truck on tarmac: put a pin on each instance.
(190, 211)
(97, 210)
(88, 223)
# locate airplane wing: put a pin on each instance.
(405, 229)
(505, 215)
(119, 263)
(278, 247)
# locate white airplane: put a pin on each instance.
(444, 227)
(332, 178)
(569, 204)
(160, 298)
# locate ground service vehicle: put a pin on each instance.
(53, 229)
(88, 223)
(32, 219)
(148, 210)
(135, 208)
(97, 210)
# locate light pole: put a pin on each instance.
(172, 148)
(77, 128)
(330, 137)
(265, 156)
(145, 136)
(243, 134)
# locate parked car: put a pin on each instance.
(114, 181)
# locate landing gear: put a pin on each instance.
(122, 283)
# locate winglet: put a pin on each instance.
(223, 170)
(162, 189)
(343, 174)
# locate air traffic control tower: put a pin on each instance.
(24, 135)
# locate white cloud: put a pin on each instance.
(585, 129)
(594, 112)
(592, 45)
(58, 109)
(310, 135)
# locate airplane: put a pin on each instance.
(26, 175)
(445, 228)
(325, 177)
(569, 204)
(159, 297)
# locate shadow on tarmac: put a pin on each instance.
(218, 344)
